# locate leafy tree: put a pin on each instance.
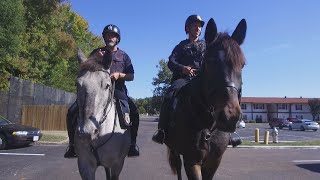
(12, 26)
(53, 31)
(38, 41)
(141, 110)
(162, 81)
(314, 105)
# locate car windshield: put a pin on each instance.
(4, 121)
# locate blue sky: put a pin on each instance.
(282, 45)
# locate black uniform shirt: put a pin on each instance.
(186, 53)
(121, 63)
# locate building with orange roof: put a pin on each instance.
(261, 109)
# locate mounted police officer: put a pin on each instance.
(184, 62)
(121, 70)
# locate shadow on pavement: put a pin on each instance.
(310, 167)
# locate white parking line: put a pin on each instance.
(21, 154)
(305, 161)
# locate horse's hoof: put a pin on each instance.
(133, 151)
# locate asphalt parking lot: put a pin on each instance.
(285, 135)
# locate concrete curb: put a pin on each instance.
(48, 142)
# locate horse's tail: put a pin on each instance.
(174, 161)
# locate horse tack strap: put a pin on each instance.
(94, 149)
(109, 101)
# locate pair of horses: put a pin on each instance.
(207, 111)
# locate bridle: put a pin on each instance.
(107, 110)
(211, 109)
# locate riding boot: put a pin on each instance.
(159, 135)
(72, 111)
(134, 116)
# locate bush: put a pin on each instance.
(251, 121)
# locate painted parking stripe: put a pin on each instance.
(305, 161)
(21, 154)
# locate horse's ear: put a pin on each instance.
(107, 58)
(239, 33)
(211, 31)
(81, 57)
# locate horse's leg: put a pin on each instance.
(211, 165)
(87, 169)
(175, 163)
(193, 171)
(209, 171)
(108, 173)
(116, 170)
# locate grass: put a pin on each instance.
(294, 143)
(54, 136)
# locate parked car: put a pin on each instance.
(241, 124)
(291, 119)
(304, 124)
(12, 134)
(279, 122)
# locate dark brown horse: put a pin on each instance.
(207, 108)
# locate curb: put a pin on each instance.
(49, 142)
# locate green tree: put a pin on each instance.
(162, 81)
(53, 33)
(12, 26)
(38, 40)
(314, 105)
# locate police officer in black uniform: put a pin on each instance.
(121, 70)
(184, 62)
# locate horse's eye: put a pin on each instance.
(104, 85)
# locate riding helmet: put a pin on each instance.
(191, 19)
(112, 28)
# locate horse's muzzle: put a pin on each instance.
(228, 117)
(83, 136)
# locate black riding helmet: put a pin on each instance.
(112, 28)
(191, 19)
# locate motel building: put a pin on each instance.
(262, 108)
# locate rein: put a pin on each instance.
(94, 150)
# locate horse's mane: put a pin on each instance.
(93, 64)
(234, 55)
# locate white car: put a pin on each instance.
(241, 124)
(304, 124)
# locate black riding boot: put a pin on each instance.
(72, 111)
(134, 116)
(159, 135)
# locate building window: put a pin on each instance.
(258, 106)
(282, 106)
(299, 116)
(244, 117)
(298, 106)
(258, 118)
(243, 106)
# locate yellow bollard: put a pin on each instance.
(256, 135)
(266, 137)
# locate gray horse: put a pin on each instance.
(99, 139)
